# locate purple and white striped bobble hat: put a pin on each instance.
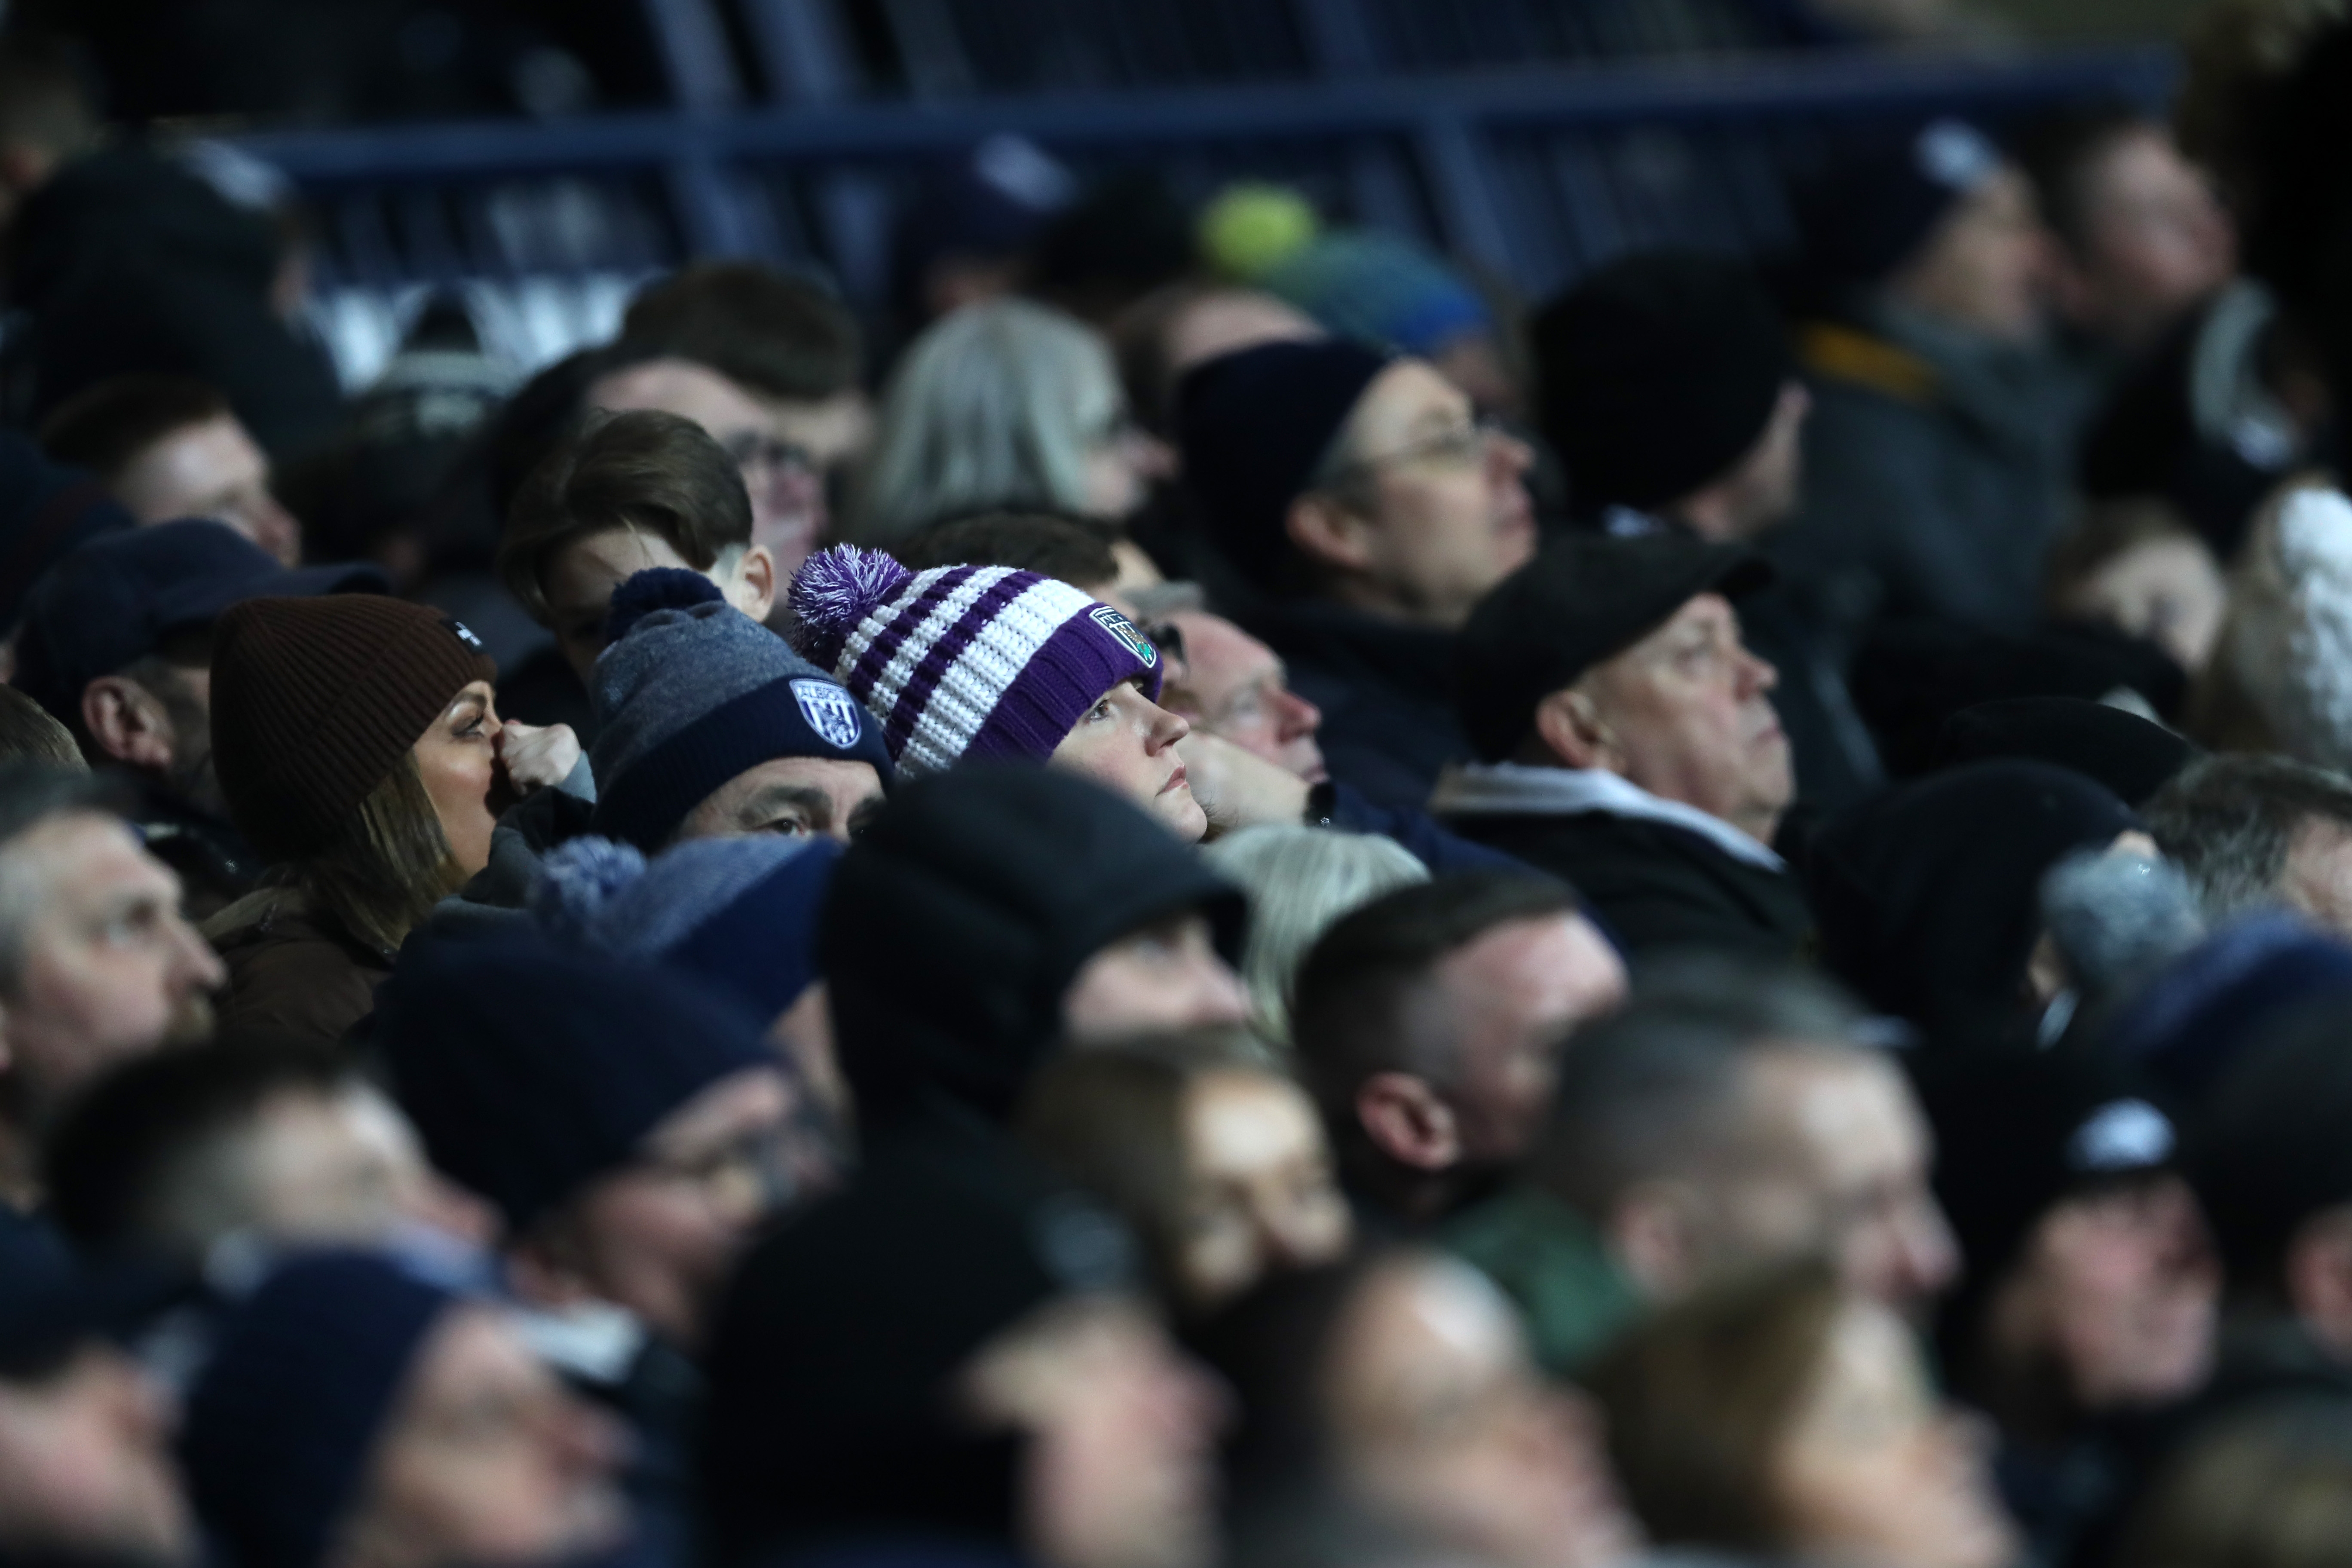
(963, 661)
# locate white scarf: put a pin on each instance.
(1514, 789)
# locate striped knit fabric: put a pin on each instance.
(979, 661)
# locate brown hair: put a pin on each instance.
(772, 333)
(1072, 550)
(27, 735)
(1699, 1396)
(385, 870)
(643, 471)
(105, 428)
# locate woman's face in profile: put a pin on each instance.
(1872, 1470)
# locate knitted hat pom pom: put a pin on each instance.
(656, 588)
(578, 879)
(835, 589)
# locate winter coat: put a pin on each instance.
(1660, 874)
(1935, 462)
(1386, 691)
(291, 971)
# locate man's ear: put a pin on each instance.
(1407, 1120)
(125, 721)
(1649, 1231)
(754, 592)
(1328, 534)
(1570, 727)
(2319, 1278)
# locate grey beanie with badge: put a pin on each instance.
(690, 692)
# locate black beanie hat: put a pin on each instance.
(1927, 898)
(1873, 207)
(960, 916)
(2268, 1150)
(1656, 374)
(284, 1417)
(831, 1359)
(530, 1070)
(2123, 751)
(2019, 1131)
(1584, 600)
(1254, 426)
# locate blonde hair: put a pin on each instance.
(995, 407)
(1301, 881)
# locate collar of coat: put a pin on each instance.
(1515, 789)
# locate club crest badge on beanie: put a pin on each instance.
(830, 710)
(964, 661)
(1130, 637)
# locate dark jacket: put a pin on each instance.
(126, 262)
(1386, 691)
(1658, 884)
(1937, 462)
(216, 865)
(1335, 805)
(291, 972)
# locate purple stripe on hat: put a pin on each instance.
(935, 664)
(1067, 675)
(909, 616)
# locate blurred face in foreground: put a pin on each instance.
(86, 1465)
(1121, 1464)
(107, 969)
(660, 1235)
(1166, 975)
(1439, 1418)
(484, 1460)
(1870, 1470)
(1260, 1194)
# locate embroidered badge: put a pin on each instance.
(831, 711)
(1129, 635)
(465, 634)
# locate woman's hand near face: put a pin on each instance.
(537, 756)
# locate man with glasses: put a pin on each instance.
(1367, 510)
(634, 1130)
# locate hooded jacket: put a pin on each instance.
(958, 920)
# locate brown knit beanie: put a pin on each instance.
(315, 700)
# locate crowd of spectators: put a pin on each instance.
(1244, 910)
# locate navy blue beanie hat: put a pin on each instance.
(690, 691)
(739, 911)
(531, 1071)
(1255, 424)
(281, 1423)
(2191, 1021)
(1869, 212)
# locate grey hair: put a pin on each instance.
(31, 794)
(2230, 821)
(1656, 1091)
(997, 404)
(1300, 881)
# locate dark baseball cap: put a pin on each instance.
(119, 597)
(1582, 602)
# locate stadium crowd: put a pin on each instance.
(1267, 913)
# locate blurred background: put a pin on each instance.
(532, 161)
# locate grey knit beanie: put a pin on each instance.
(690, 691)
